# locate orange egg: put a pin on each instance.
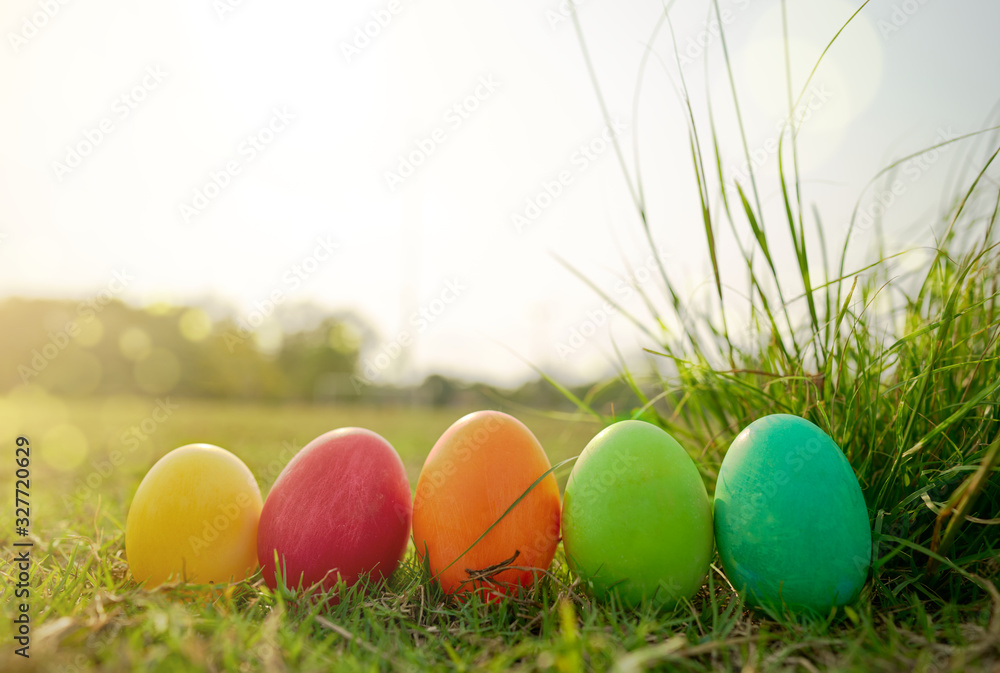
(478, 468)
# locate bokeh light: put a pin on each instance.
(135, 344)
(195, 325)
(269, 337)
(842, 88)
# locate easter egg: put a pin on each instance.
(194, 518)
(339, 510)
(636, 519)
(478, 468)
(791, 523)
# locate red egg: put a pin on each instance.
(341, 507)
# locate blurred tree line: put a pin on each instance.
(80, 348)
(301, 352)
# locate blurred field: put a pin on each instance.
(75, 439)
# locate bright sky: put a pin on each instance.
(230, 144)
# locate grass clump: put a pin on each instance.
(899, 364)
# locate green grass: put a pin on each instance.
(900, 364)
(92, 617)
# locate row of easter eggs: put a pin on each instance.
(790, 522)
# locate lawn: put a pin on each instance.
(91, 616)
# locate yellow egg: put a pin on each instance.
(194, 518)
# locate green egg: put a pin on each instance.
(791, 523)
(636, 519)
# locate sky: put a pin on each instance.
(426, 164)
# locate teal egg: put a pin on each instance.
(791, 524)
